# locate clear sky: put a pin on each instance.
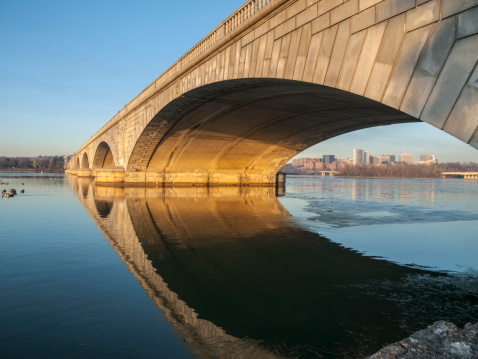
(67, 67)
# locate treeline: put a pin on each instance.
(407, 171)
(39, 163)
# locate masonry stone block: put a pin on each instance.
(386, 56)
(285, 28)
(312, 56)
(262, 29)
(423, 15)
(468, 23)
(302, 51)
(365, 4)
(451, 81)
(405, 65)
(452, 7)
(342, 12)
(275, 57)
(327, 5)
(307, 15)
(254, 56)
(363, 20)
(372, 42)
(463, 120)
(296, 8)
(351, 57)
(321, 23)
(260, 56)
(390, 8)
(324, 54)
(292, 53)
(278, 19)
(337, 56)
(284, 52)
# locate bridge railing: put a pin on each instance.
(235, 20)
(241, 15)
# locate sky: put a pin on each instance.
(67, 67)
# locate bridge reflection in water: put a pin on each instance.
(237, 278)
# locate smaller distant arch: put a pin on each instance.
(85, 163)
(78, 163)
(103, 156)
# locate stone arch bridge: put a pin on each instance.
(278, 76)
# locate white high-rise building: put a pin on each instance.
(366, 157)
(358, 156)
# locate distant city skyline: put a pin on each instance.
(413, 138)
(68, 67)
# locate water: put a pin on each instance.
(335, 268)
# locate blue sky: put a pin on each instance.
(67, 67)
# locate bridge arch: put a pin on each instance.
(85, 164)
(78, 165)
(103, 156)
(245, 130)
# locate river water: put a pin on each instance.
(330, 268)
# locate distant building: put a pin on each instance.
(392, 158)
(366, 157)
(345, 160)
(406, 158)
(358, 157)
(427, 158)
(328, 158)
(332, 166)
(384, 160)
(298, 162)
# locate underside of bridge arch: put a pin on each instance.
(85, 163)
(78, 166)
(242, 132)
(103, 156)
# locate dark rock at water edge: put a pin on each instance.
(441, 340)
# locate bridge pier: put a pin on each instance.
(168, 179)
(84, 173)
(112, 175)
(118, 176)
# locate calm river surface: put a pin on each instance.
(332, 268)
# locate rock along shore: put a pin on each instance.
(440, 340)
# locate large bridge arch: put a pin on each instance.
(416, 57)
(242, 131)
(103, 156)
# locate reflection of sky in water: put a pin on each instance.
(420, 222)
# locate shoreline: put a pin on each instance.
(29, 170)
(439, 340)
